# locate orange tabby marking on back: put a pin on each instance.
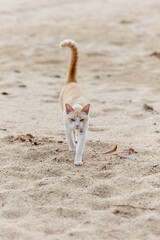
(75, 106)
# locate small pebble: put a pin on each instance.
(3, 129)
(155, 165)
(116, 211)
(50, 192)
(97, 76)
(17, 71)
(32, 35)
(4, 93)
(57, 76)
(22, 86)
(148, 107)
(42, 183)
(109, 75)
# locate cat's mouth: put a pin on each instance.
(79, 129)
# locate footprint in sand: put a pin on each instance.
(99, 204)
(50, 101)
(97, 129)
(138, 116)
(105, 175)
(96, 54)
(79, 182)
(114, 109)
(47, 62)
(102, 191)
(94, 114)
(12, 214)
(69, 213)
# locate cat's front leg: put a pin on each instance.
(69, 134)
(70, 139)
(72, 145)
(80, 148)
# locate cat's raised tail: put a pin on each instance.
(72, 70)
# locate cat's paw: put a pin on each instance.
(78, 163)
(72, 149)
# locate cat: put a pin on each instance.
(75, 106)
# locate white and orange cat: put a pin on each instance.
(75, 106)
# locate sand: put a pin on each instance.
(112, 196)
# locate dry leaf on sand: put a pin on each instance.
(130, 150)
(155, 54)
(22, 139)
(111, 151)
(30, 135)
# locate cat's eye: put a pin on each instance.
(72, 119)
(81, 120)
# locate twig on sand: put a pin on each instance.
(130, 206)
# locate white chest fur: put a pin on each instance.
(76, 139)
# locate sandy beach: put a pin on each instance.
(43, 195)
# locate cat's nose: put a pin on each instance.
(77, 126)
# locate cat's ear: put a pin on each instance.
(68, 108)
(86, 109)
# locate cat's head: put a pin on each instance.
(77, 116)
